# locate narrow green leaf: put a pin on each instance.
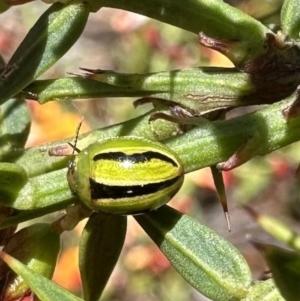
(64, 89)
(193, 89)
(206, 260)
(47, 41)
(100, 246)
(37, 246)
(45, 289)
(188, 87)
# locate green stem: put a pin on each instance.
(215, 18)
(206, 145)
(27, 215)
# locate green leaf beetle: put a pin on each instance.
(125, 175)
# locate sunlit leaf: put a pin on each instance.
(206, 260)
(44, 288)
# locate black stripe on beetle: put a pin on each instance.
(102, 191)
(134, 158)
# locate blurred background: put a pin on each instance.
(129, 43)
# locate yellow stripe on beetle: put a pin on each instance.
(125, 175)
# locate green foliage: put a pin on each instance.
(187, 116)
(94, 243)
(207, 261)
(37, 246)
(45, 290)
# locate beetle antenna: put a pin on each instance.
(76, 138)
